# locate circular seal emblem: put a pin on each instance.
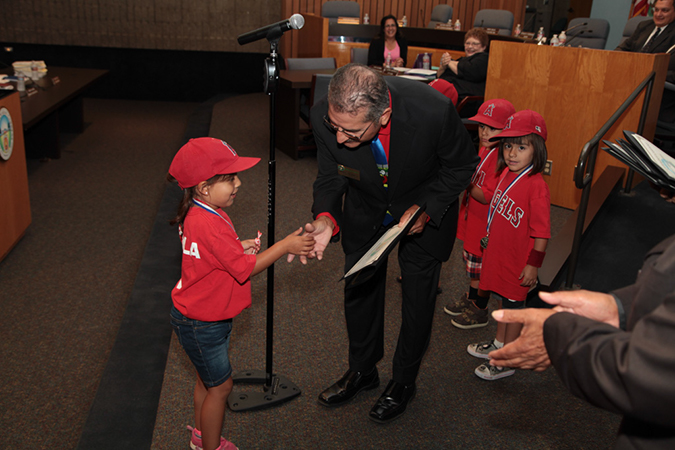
(6, 134)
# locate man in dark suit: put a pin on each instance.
(613, 350)
(657, 36)
(384, 148)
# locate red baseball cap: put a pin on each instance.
(494, 113)
(523, 123)
(446, 88)
(203, 158)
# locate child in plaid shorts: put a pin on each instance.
(470, 310)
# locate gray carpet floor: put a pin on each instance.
(453, 408)
(65, 286)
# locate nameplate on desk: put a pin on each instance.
(348, 20)
(526, 35)
(491, 30)
(444, 26)
(31, 91)
(56, 80)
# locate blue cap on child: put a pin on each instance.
(203, 158)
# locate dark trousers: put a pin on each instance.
(364, 312)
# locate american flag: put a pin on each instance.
(640, 8)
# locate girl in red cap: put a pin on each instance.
(518, 228)
(470, 310)
(215, 275)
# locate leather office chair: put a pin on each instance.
(359, 55)
(630, 27)
(440, 14)
(495, 18)
(318, 90)
(310, 63)
(592, 35)
(338, 8)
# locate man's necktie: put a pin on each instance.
(650, 43)
(383, 168)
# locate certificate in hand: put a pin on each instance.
(381, 249)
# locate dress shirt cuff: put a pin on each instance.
(336, 228)
(622, 312)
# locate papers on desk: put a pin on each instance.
(416, 74)
(25, 68)
(645, 158)
(5, 82)
(421, 72)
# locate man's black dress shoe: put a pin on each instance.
(392, 402)
(348, 386)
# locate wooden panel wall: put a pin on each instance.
(201, 25)
(418, 12)
(576, 90)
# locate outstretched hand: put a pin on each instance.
(528, 351)
(321, 230)
(593, 305)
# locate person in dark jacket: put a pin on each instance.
(469, 72)
(613, 350)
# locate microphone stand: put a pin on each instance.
(277, 388)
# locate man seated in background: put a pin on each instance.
(656, 36)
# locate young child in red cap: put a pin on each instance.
(518, 228)
(215, 275)
(470, 310)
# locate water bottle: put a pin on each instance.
(404, 21)
(562, 38)
(426, 62)
(388, 60)
(540, 33)
(555, 41)
(518, 30)
(366, 19)
(458, 25)
(34, 73)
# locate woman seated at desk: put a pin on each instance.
(388, 42)
(468, 73)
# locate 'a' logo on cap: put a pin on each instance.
(229, 148)
(508, 123)
(490, 109)
(538, 128)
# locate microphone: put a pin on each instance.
(579, 34)
(274, 31)
(567, 31)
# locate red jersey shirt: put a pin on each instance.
(215, 272)
(471, 227)
(520, 216)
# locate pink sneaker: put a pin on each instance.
(196, 441)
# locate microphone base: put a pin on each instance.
(280, 391)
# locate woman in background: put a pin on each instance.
(468, 73)
(388, 43)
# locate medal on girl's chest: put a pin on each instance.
(484, 242)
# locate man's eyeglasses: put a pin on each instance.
(350, 136)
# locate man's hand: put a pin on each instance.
(419, 224)
(321, 230)
(528, 351)
(593, 305)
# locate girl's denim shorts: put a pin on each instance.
(206, 345)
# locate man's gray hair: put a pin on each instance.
(355, 87)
